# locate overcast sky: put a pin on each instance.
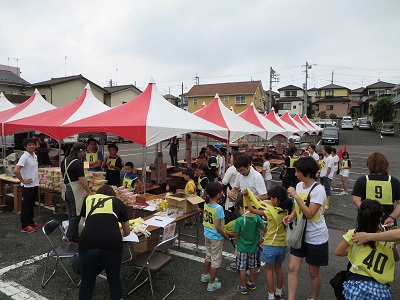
(219, 40)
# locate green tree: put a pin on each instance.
(383, 110)
(322, 114)
(332, 116)
(310, 110)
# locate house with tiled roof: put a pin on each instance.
(356, 97)
(239, 95)
(121, 94)
(333, 99)
(173, 99)
(372, 93)
(291, 99)
(13, 87)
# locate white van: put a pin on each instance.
(347, 123)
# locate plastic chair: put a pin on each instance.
(153, 262)
(58, 251)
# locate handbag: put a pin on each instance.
(337, 282)
(63, 186)
(296, 229)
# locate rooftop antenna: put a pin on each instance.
(65, 66)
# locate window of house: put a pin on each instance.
(226, 99)
(356, 98)
(329, 94)
(123, 102)
(294, 106)
(195, 101)
(329, 107)
(290, 93)
(240, 100)
(316, 107)
(286, 106)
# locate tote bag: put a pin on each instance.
(296, 230)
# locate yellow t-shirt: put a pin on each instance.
(276, 234)
(190, 187)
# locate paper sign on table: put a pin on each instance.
(132, 237)
(159, 221)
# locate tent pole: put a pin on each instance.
(144, 170)
(59, 153)
(197, 145)
(3, 142)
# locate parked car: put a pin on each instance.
(330, 135)
(71, 140)
(364, 124)
(295, 138)
(323, 123)
(358, 121)
(113, 138)
(347, 123)
(387, 129)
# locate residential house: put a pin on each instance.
(396, 101)
(333, 99)
(372, 93)
(312, 93)
(173, 99)
(121, 94)
(274, 96)
(238, 95)
(356, 97)
(291, 99)
(14, 87)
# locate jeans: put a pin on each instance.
(174, 159)
(29, 195)
(90, 264)
(73, 227)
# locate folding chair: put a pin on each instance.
(58, 251)
(153, 262)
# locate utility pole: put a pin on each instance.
(197, 79)
(182, 98)
(308, 66)
(333, 72)
(273, 77)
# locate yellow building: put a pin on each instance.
(238, 95)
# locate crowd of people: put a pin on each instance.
(231, 187)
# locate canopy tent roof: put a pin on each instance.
(217, 113)
(33, 106)
(288, 119)
(307, 121)
(311, 130)
(146, 120)
(253, 116)
(5, 103)
(50, 122)
(274, 118)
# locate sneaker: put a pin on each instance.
(211, 287)
(206, 278)
(326, 207)
(28, 229)
(248, 271)
(343, 193)
(278, 297)
(251, 285)
(36, 225)
(242, 289)
(66, 242)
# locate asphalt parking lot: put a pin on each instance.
(18, 272)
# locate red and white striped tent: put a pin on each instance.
(33, 106)
(51, 122)
(146, 120)
(311, 129)
(5, 103)
(273, 117)
(307, 121)
(217, 113)
(253, 116)
(288, 119)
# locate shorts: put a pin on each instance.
(326, 182)
(214, 252)
(244, 260)
(271, 254)
(360, 290)
(316, 255)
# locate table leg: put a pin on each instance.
(197, 236)
(179, 236)
(2, 193)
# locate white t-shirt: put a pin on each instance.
(221, 160)
(336, 161)
(29, 169)
(315, 156)
(328, 163)
(230, 177)
(254, 181)
(316, 232)
(267, 168)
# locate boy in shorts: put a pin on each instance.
(247, 229)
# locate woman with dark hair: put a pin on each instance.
(372, 264)
(100, 245)
(290, 179)
(315, 244)
(76, 188)
(379, 186)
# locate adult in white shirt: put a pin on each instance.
(266, 171)
(335, 167)
(229, 180)
(327, 168)
(311, 150)
(247, 177)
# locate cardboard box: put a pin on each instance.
(147, 244)
(145, 197)
(183, 202)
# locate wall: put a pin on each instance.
(292, 111)
(339, 108)
(122, 96)
(336, 93)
